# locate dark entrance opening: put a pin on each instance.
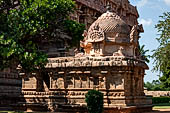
(46, 79)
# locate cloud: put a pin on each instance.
(141, 3)
(145, 22)
(167, 2)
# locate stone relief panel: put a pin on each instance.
(91, 82)
(58, 82)
(77, 82)
(29, 83)
(97, 48)
(69, 81)
(134, 34)
(95, 34)
(84, 81)
(101, 82)
(115, 81)
(127, 84)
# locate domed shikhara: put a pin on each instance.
(109, 35)
(107, 27)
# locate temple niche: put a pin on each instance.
(111, 63)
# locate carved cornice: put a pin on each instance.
(95, 62)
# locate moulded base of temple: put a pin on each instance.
(61, 105)
(82, 109)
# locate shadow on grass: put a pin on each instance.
(11, 112)
(162, 106)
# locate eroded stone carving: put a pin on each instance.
(119, 52)
(134, 34)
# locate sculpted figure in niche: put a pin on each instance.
(119, 52)
(84, 44)
(59, 83)
(97, 48)
(87, 47)
(134, 34)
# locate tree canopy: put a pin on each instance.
(162, 53)
(156, 85)
(143, 53)
(24, 25)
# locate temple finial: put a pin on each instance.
(108, 7)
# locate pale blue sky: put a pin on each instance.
(149, 11)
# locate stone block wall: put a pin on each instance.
(10, 87)
(157, 93)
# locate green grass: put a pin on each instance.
(10, 112)
(162, 106)
(7, 111)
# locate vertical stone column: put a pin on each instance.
(100, 82)
(127, 84)
(51, 80)
(65, 80)
(88, 82)
(132, 83)
(73, 81)
(23, 82)
(104, 78)
(91, 82)
(135, 82)
(142, 84)
(80, 80)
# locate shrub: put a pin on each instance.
(94, 100)
(158, 100)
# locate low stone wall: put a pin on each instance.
(158, 93)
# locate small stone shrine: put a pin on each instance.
(111, 64)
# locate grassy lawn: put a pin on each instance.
(162, 106)
(7, 112)
(10, 112)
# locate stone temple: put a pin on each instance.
(111, 63)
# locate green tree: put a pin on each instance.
(22, 29)
(148, 86)
(75, 30)
(155, 85)
(162, 53)
(143, 53)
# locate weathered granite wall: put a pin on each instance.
(89, 10)
(10, 88)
